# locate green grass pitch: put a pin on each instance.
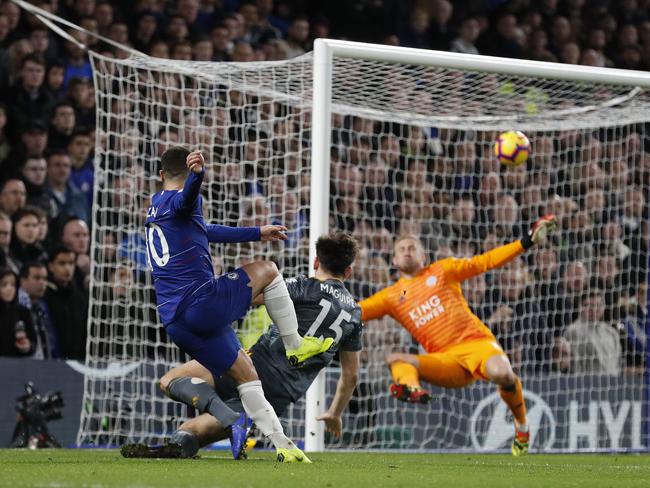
(106, 468)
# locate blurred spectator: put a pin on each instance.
(634, 322)
(242, 52)
(82, 173)
(538, 47)
(77, 65)
(467, 36)
(506, 218)
(13, 196)
(547, 284)
(571, 289)
(5, 144)
(203, 49)
(635, 232)
(595, 344)
(608, 278)
(378, 195)
(25, 246)
(596, 43)
(504, 40)
(66, 304)
(221, 43)
(75, 235)
(418, 32)
(297, 36)
(33, 143)
(146, 30)
(118, 31)
(132, 248)
(441, 33)
(176, 29)
(181, 50)
(17, 336)
(591, 57)
(62, 125)
(33, 284)
(159, 49)
(81, 95)
(12, 13)
(514, 319)
(531, 204)
(570, 53)
(66, 199)
(90, 24)
(561, 355)
(33, 174)
(28, 99)
(560, 34)
(461, 227)
(104, 16)
(6, 226)
(39, 38)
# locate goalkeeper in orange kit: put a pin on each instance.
(428, 302)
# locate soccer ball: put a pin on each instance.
(512, 148)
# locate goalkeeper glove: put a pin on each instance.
(539, 231)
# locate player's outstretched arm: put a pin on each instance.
(344, 390)
(185, 200)
(224, 233)
(462, 269)
(539, 231)
(375, 306)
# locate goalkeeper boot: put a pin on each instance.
(294, 455)
(411, 394)
(238, 434)
(309, 346)
(520, 443)
(163, 451)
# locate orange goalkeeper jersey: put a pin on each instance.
(431, 305)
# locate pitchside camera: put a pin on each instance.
(34, 411)
(46, 406)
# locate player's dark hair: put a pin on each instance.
(173, 161)
(336, 252)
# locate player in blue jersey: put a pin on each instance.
(324, 307)
(197, 308)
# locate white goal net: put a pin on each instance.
(410, 154)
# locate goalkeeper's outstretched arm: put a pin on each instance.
(462, 269)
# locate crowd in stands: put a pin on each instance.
(578, 304)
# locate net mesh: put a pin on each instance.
(411, 154)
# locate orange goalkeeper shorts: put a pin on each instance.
(459, 365)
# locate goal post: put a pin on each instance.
(324, 54)
(319, 217)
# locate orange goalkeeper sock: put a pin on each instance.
(404, 373)
(514, 398)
